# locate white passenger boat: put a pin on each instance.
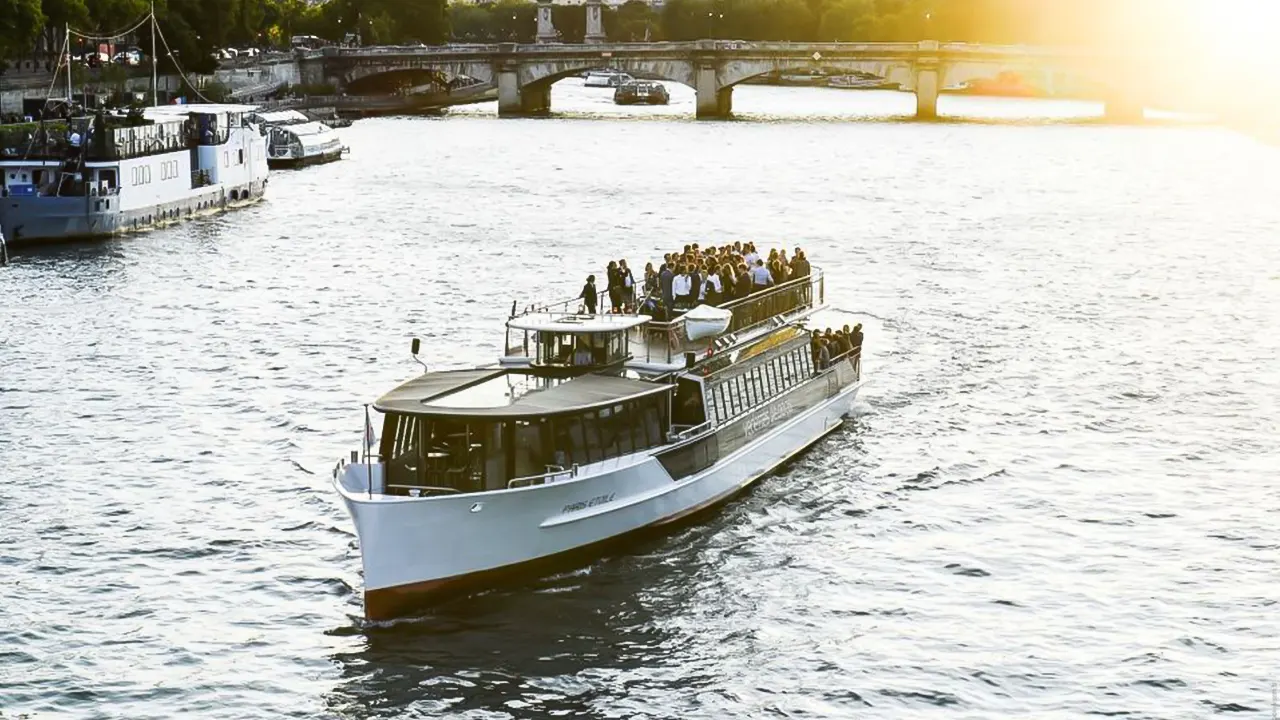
(606, 78)
(295, 140)
(109, 174)
(591, 430)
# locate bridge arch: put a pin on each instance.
(361, 74)
(546, 74)
(734, 72)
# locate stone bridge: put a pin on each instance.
(523, 74)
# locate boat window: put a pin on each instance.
(577, 440)
(622, 416)
(606, 420)
(688, 410)
(591, 431)
(489, 468)
(531, 456)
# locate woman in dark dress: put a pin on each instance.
(588, 295)
(614, 278)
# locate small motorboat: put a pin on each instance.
(644, 92)
(706, 321)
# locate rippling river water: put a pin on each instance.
(1059, 495)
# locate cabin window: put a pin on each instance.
(530, 446)
(241, 160)
(107, 178)
(688, 410)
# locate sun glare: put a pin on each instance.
(1240, 28)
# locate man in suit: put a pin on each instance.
(665, 278)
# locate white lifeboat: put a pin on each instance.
(705, 321)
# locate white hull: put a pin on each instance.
(138, 191)
(414, 548)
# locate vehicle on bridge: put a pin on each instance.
(641, 92)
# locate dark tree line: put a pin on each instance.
(196, 27)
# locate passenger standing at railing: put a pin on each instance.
(695, 284)
(800, 265)
(742, 286)
(846, 341)
(613, 286)
(681, 287)
(712, 289)
(760, 276)
(588, 295)
(726, 282)
(628, 284)
(778, 271)
(650, 279)
(666, 280)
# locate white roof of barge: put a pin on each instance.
(562, 323)
(170, 111)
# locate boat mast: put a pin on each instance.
(67, 56)
(155, 86)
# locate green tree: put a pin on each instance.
(634, 21)
(20, 23)
(686, 19)
(570, 22)
(470, 23)
(848, 21)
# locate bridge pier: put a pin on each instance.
(517, 101)
(926, 81)
(712, 101)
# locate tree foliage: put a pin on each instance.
(195, 28)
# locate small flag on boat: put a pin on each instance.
(370, 438)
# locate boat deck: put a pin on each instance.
(660, 346)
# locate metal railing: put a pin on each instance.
(688, 431)
(424, 490)
(751, 311)
(549, 476)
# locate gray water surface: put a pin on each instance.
(1058, 496)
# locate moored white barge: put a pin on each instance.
(106, 175)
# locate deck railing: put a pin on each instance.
(551, 475)
(751, 311)
(748, 312)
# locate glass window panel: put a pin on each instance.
(591, 436)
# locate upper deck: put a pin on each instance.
(649, 344)
(113, 137)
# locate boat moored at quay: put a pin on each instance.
(589, 430)
(108, 174)
(295, 140)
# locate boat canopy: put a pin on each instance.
(488, 393)
(575, 324)
(281, 117)
(164, 112)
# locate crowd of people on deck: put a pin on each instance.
(830, 345)
(711, 276)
